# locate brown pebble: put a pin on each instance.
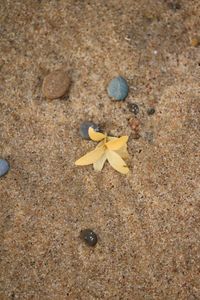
(134, 123)
(135, 126)
(55, 84)
(195, 42)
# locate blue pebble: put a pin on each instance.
(4, 167)
(118, 88)
(85, 127)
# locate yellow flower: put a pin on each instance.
(110, 148)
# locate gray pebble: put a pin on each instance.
(89, 237)
(118, 88)
(84, 127)
(4, 167)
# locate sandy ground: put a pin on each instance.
(147, 222)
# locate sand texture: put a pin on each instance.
(148, 222)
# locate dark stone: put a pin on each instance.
(174, 5)
(151, 111)
(84, 127)
(134, 108)
(89, 237)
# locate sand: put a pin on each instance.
(148, 221)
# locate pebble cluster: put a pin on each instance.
(57, 84)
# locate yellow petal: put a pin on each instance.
(117, 162)
(90, 157)
(98, 165)
(95, 136)
(117, 143)
(100, 144)
(123, 152)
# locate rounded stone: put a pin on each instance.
(84, 127)
(151, 111)
(134, 108)
(89, 237)
(56, 84)
(4, 167)
(118, 88)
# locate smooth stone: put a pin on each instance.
(118, 88)
(84, 127)
(56, 84)
(89, 236)
(4, 167)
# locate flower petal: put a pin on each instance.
(123, 152)
(95, 136)
(117, 143)
(117, 162)
(98, 165)
(90, 157)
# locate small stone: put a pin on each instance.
(134, 123)
(134, 108)
(55, 84)
(151, 111)
(174, 6)
(118, 88)
(135, 126)
(4, 167)
(89, 237)
(195, 42)
(85, 127)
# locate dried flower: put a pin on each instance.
(109, 148)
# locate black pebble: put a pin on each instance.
(134, 108)
(89, 237)
(174, 5)
(151, 111)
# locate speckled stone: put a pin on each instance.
(4, 167)
(134, 108)
(55, 84)
(118, 88)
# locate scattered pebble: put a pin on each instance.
(85, 127)
(118, 88)
(195, 42)
(55, 84)
(134, 108)
(4, 167)
(89, 237)
(151, 111)
(134, 123)
(135, 126)
(174, 6)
